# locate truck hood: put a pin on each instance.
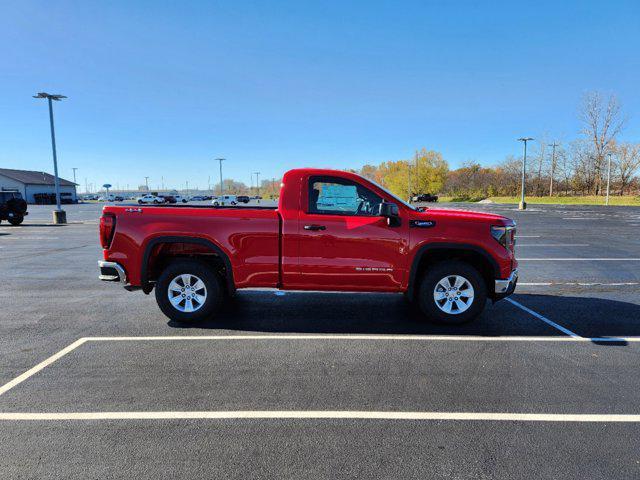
(432, 213)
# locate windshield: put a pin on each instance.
(392, 195)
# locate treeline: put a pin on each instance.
(578, 167)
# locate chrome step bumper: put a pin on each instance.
(507, 286)
(111, 272)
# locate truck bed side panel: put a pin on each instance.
(249, 237)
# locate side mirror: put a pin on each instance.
(391, 212)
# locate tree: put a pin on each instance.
(429, 172)
(627, 163)
(602, 122)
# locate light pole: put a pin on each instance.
(408, 181)
(553, 166)
(146, 182)
(220, 160)
(59, 215)
(608, 178)
(523, 204)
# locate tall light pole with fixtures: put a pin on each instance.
(220, 160)
(59, 215)
(146, 182)
(74, 179)
(523, 204)
(606, 202)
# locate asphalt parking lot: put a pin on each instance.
(96, 383)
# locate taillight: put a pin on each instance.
(107, 229)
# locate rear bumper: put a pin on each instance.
(505, 287)
(111, 272)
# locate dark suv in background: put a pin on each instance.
(13, 207)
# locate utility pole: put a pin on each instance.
(74, 173)
(146, 182)
(86, 185)
(608, 178)
(408, 181)
(59, 215)
(553, 166)
(162, 181)
(220, 160)
(523, 204)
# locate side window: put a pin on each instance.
(338, 196)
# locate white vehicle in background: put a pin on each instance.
(149, 198)
(225, 200)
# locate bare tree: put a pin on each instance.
(542, 153)
(627, 163)
(601, 124)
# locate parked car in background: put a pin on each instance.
(150, 198)
(424, 197)
(243, 199)
(225, 200)
(197, 198)
(13, 207)
(174, 199)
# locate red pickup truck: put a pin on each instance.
(332, 230)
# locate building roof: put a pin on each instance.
(32, 177)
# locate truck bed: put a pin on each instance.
(248, 236)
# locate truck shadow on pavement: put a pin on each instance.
(270, 312)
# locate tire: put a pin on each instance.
(213, 292)
(216, 204)
(462, 308)
(139, 202)
(15, 221)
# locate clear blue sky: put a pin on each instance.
(161, 88)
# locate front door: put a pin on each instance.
(344, 243)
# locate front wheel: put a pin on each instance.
(139, 202)
(16, 220)
(452, 292)
(189, 291)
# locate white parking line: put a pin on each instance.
(32, 371)
(553, 245)
(543, 318)
(326, 414)
(527, 236)
(572, 337)
(580, 259)
(580, 284)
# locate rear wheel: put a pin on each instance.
(16, 220)
(189, 291)
(452, 292)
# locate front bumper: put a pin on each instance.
(505, 287)
(111, 272)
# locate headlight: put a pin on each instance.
(506, 236)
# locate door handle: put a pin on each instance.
(315, 227)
